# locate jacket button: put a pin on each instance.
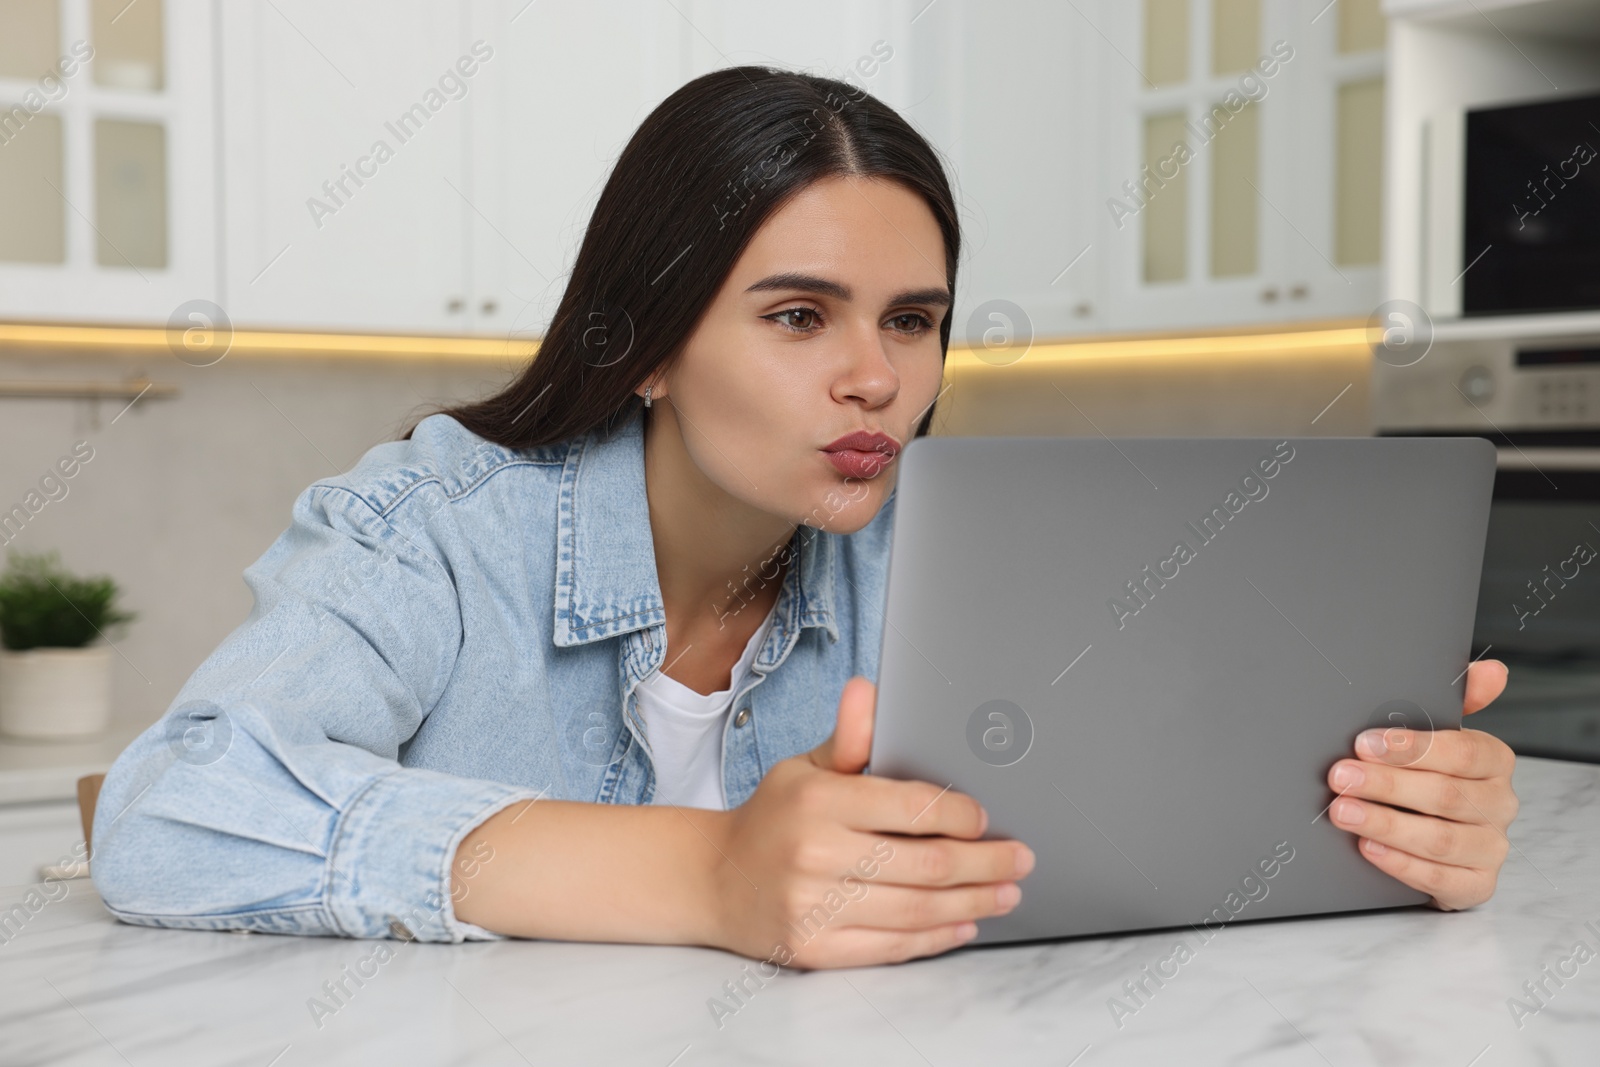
(400, 930)
(741, 718)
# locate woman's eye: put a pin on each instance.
(916, 322)
(806, 328)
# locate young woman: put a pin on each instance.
(591, 658)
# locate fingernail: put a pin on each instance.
(1024, 860)
(1376, 848)
(983, 820)
(1006, 896)
(1348, 812)
(1348, 776)
(1372, 743)
(967, 931)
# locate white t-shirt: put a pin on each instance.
(685, 731)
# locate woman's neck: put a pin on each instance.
(720, 562)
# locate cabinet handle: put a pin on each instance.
(1300, 292)
(1269, 295)
(455, 305)
(490, 307)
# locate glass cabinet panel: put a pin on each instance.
(127, 44)
(1166, 245)
(1358, 195)
(30, 37)
(1361, 25)
(1166, 41)
(1235, 35)
(33, 224)
(1235, 214)
(130, 178)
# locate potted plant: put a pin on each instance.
(53, 682)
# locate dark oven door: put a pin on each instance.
(1539, 600)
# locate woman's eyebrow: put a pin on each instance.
(810, 283)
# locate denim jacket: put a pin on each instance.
(448, 628)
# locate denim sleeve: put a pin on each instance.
(270, 796)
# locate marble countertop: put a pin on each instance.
(1409, 986)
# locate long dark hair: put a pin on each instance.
(691, 188)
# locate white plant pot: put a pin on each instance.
(55, 692)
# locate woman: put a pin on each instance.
(564, 662)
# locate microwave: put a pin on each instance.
(1512, 209)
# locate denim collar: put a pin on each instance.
(606, 581)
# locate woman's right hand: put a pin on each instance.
(827, 867)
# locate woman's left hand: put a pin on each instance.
(1460, 783)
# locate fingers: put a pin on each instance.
(1460, 753)
(1486, 680)
(1450, 886)
(941, 862)
(847, 749)
(1457, 783)
(1489, 802)
(1426, 837)
(888, 805)
(896, 907)
(860, 946)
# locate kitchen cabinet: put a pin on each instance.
(1009, 95)
(550, 119)
(35, 837)
(412, 167)
(554, 116)
(1242, 158)
(106, 159)
(1049, 114)
(470, 221)
(41, 833)
(344, 163)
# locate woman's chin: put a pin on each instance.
(837, 512)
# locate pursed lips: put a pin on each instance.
(862, 454)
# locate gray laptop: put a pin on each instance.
(1142, 655)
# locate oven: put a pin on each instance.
(1532, 387)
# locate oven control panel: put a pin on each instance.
(1488, 385)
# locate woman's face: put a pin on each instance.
(828, 325)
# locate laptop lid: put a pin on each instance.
(1142, 655)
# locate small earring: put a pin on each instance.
(647, 396)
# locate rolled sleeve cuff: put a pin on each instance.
(390, 865)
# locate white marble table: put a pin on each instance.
(1412, 986)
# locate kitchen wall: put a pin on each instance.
(183, 493)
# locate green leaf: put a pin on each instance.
(44, 606)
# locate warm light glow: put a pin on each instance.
(1259, 345)
(14, 335)
(141, 339)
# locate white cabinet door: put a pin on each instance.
(106, 163)
(343, 163)
(1336, 89)
(827, 39)
(1233, 152)
(567, 86)
(1198, 178)
(1005, 89)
